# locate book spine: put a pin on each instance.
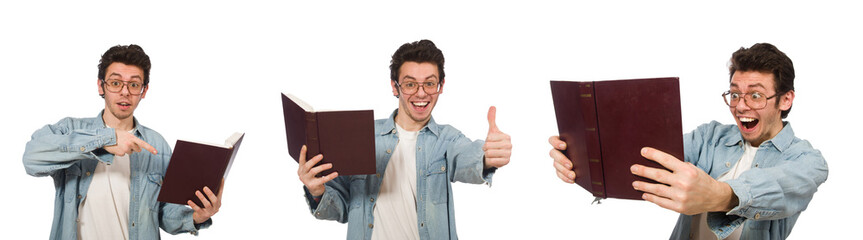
(312, 142)
(594, 155)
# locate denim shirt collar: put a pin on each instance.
(390, 124)
(781, 141)
(135, 130)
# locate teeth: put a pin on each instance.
(746, 119)
(421, 104)
(124, 104)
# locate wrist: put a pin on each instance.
(729, 199)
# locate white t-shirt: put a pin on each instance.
(703, 232)
(395, 210)
(104, 213)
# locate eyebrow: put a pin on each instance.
(121, 76)
(409, 77)
(750, 85)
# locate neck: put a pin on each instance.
(126, 124)
(404, 121)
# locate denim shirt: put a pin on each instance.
(69, 151)
(784, 176)
(443, 155)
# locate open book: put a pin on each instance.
(195, 165)
(606, 123)
(345, 138)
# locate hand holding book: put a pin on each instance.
(308, 173)
(211, 204)
(684, 189)
(562, 165)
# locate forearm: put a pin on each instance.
(465, 161)
(775, 193)
(55, 147)
(333, 203)
(176, 219)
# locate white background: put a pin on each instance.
(219, 68)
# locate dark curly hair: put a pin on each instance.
(766, 58)
(421, 51)
(130, 55)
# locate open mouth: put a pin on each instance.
(748, 123)
(420, 104)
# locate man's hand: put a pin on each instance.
(307, 172)
(497, 147)
(211, 202)
(562, 165)
(128, 143)
(690, 190)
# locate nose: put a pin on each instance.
(742, 106)
(125, 90)
(421, 91)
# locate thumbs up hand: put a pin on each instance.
(498, 147)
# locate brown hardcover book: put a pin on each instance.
(345, 138)
(195, 165)
(606, 123)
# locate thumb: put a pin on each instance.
(492, 125)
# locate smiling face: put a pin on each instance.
(415, 109)
(119, 106)
(760, 125)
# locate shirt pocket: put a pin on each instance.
(437, 181)
(153, 185)
(357, 191)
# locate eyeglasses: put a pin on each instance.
(114, 85)
(754, 100)
(430, 88)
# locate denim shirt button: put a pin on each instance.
(389, 151)
(133, 224)
(757, 216)
(79, 196)
(443, 168)
(87, 173)
(378, 175)
(727, 164)
(372, 200)
(371, 225)
(422, 224)
(756, 165)
(83, 149)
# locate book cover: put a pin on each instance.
(606, 123)
(195, 165)
(345, 138)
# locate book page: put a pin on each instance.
(233, 139)
(301, 103)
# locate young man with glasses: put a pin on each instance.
(410, 197)
(745, 181)
(106, 185)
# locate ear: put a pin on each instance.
(395, 89)
(786, 101)
(99, 86)
(144, 93)
(442, 81)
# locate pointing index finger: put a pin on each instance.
(146, 145)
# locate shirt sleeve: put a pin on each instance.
(58, 146)
(176, 219)
(334, 202)
(780, 191)
(465, 157)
